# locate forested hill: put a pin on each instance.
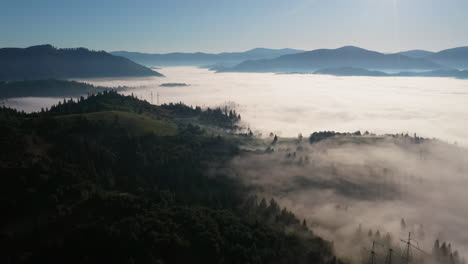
(112, 179)
(46, 61)
(49, 88)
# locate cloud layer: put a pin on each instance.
(340, 184)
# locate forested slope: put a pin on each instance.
(112, 179)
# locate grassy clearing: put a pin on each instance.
(136, 123)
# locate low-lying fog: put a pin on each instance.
(300, 103)
(339, 185)
(292, 104)
(346, 185)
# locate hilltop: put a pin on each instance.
(416, 53)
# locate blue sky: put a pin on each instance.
(234, 25)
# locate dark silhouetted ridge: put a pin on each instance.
(46, 61)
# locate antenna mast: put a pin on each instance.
(372, 258)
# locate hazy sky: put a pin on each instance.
(234, 25)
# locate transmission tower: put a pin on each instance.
(409, 246)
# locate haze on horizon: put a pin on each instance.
(163, 26)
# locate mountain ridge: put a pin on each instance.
(454, 57)
(347, 56)
(416, 53)
(201, 58)
(47, 61)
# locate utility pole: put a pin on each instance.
(151, 97)
(157, 97)
(389, 258)
(372, 259)
(408, 247)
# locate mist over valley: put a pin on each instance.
(234, 132)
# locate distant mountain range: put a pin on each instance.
(351, 71)
(452, 58)
(203, 59)
(46, 61)
(348, 56)
(350, 60)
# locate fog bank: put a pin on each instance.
(299, 103)
(339, 185)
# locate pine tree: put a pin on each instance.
(403, 224)
(436, 250)
(263, 205)
(377, 235)
(444, 249)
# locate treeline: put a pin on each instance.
(78, 190)
(223, 118)
(108, 100)
(387, 243)
(48, 88)
(256, 209)
(444, 254)
(322, 135)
